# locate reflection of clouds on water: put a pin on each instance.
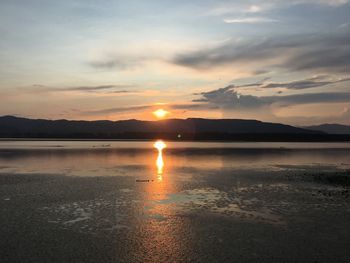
(137, 158)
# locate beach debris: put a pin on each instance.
(143, 180)
(102, 145)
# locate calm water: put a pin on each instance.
(93, 201)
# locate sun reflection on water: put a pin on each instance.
(159, 145)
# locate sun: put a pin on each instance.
(160, 113)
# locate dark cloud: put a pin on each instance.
(118, 110)
(314, 82)
(254, 84)
(228, 98)
(99, 88)
(335, 58)
(125, 91)
(304, 84)
(193, 106)
(108, 64)
(326, 97)
(222, 55)
(329, 53)
(188, 106)
(116, 62)
(260, 72)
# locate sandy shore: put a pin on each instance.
(285, 215)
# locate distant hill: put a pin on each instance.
(330, 128)
(184, 129)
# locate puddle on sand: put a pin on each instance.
(214, 201)
(91, 216)
(265, 203)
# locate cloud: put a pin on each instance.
(242, 7)
(260, 72)
(319, 53)
(250, 20)
(332, 58)
(184, 106)
(343, 25)
(118, 110)
(99, 88)
(326, 97)
(254, 9)
(193, 106)
(314, 82)
(330, 2)
(119, 59)
(133, 58)
(229, 98)
(116, 62)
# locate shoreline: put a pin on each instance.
(172, 140)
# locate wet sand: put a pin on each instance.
(222, 205)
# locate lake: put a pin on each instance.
(127, 201)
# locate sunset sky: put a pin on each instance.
(280, 61)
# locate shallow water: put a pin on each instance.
(101, 201)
